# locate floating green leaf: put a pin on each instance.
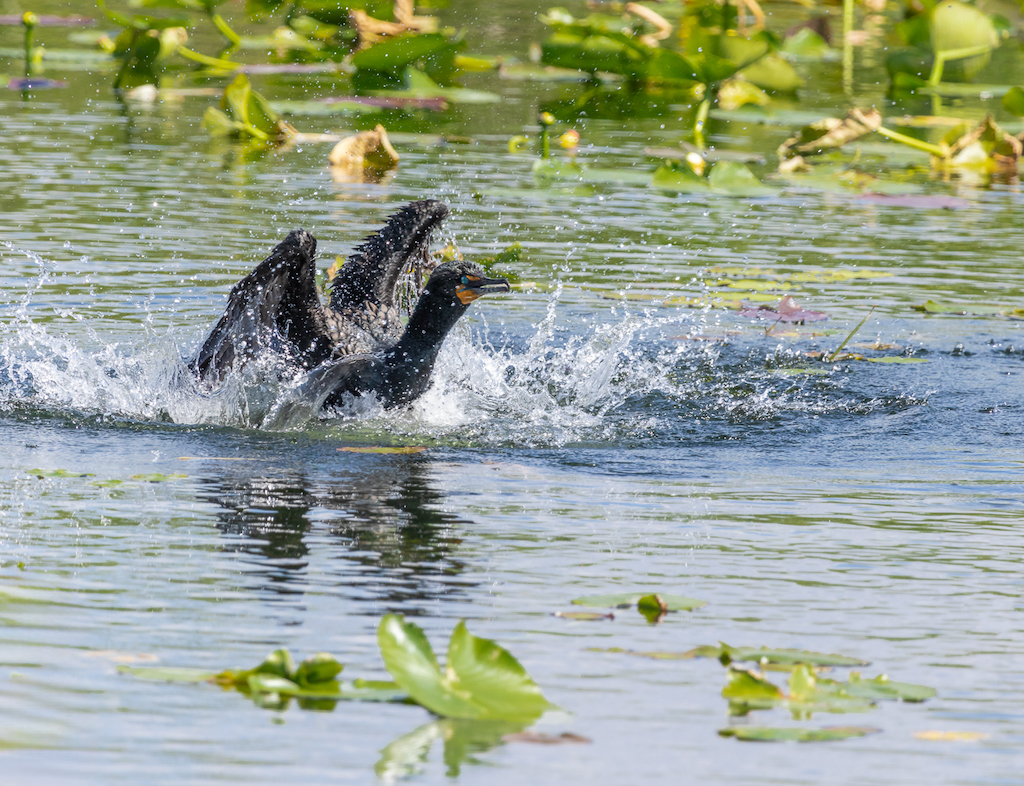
(653, 655)
(59, 473)
(627, 599)
(735, 179)
(395, 53)
(795, 733)
(679, 177)
(157, 477)
(652, 606)
(745, 687)
(321, 667)
(481, 679)
(974, 310)
(1013, 101)
(778, 656)
(881, 687)
(585, 616)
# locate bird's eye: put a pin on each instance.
(465, 280)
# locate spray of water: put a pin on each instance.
(630, 374)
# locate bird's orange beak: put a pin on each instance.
(473, 287)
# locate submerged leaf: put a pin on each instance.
(779, 656)
(167, 673)
(676, 176)
(587, 616)
(795, 733)
(59, 473)
(398, 449)
(931, 307)
(158, 477)
(735, 179)
(881, 687)
(627, 599)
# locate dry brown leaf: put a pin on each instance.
(366, 150)
(830, 133)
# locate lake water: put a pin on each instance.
(584, 436)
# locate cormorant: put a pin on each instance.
(276, 308)
(401, 373)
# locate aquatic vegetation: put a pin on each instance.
(973, 309)
(625, 600)
(481, 680)
(947, 39)
(795, 733)
(367, 155)
(245, 114)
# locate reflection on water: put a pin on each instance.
(387, 527)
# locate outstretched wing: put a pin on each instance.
(276, 309)
(365, 308)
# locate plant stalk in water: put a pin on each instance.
(847, 47)
(700, 120)
(850, 335)
(29, 20)
(917, 144)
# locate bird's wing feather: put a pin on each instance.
(276, 308)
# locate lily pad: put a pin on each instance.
(59, 473)
(481, 679)
(653, 655)
(586, 616)
(627, 599)
(735, 179)
(881, 687)
(779, 656)
(678, 177)
(975, 310)
(795, 733)
(747, 688)
(1013, 101)
(157, 477)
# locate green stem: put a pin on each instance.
(953, 54)
(702, 117)
(917, 144)
(847, 47)
(546, 119)
(206, 60)
(30, 21)
(234, 41)
(129, 56)
(851, 334)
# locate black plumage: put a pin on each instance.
(276, 308)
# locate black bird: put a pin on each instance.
(400, 374)
(276, 308)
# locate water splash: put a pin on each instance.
(634, 376)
